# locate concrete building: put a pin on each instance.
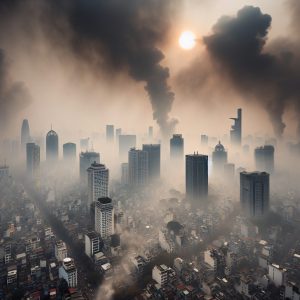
(85, 161)
(153, 151)
(196, 176)
(236, 129)
(32, 159)
(98, 176)
(93, 243)
(254, 193)
(68, 272)
(161, 274)
(176, 146)
(219, 159)
(104, 217)
(277, 274)
(61, 251)
(138, 173)
(264, 158)
(51, 146)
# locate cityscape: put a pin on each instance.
(105, 194)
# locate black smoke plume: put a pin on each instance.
(14, 96)
(238, 47)
(121, 35)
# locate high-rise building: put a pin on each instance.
(104, 217)
(85, 161)
(126, 142)
(219, 158)
(92, 243)
(254, 193)
(69, 152)
(84, 144)
(110, 131)
(118, 132)
(25, 133)
(61, 251)
(236, 129)
(68, 272)
(51, 146)
(264, 158)
(32, 158)
(97, 182)
(153, 151)
(176, 146)
(196, 176)
(138, 173)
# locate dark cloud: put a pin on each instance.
(13, 95)
(266, 73)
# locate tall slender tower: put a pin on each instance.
(32, 158)
(236, 129)
(196, 177)
(138, 172)
(254, 193)
(25, 133)
(176, 147)
(97, 182)
(52, 146)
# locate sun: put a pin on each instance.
(187, 40)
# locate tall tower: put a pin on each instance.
(219, 158)
(98, 176)
(51, 146)
(138, 173)
(176, 146)
(104, 217)
(153, 151)
(236, 129)
(32, 158)
(254, 193)
(196, 176)
(85, 161)
(264, 158)
(25, 133)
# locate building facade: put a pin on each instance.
(32, 158)
(153, 151)
(138, 172)
(104, 217)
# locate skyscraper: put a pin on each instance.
(196, 177)
(25, 133)
(153, 151)
(85, 161)
(52, 146)
(32, 158)
(254, 193)
(97, 182)
(126, 142)
(104, 217)
(264, 158)
(150, 132)
(176, 146)
(69, 152)
(110, 131)
(219, 158)
(138, 173)
(236, 129)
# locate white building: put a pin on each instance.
(61, 251)
(92, 243)
(277, 274)
(97, 182)
(104, 217)
(68, 272)
(161, 274)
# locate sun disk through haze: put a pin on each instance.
(187, 40)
